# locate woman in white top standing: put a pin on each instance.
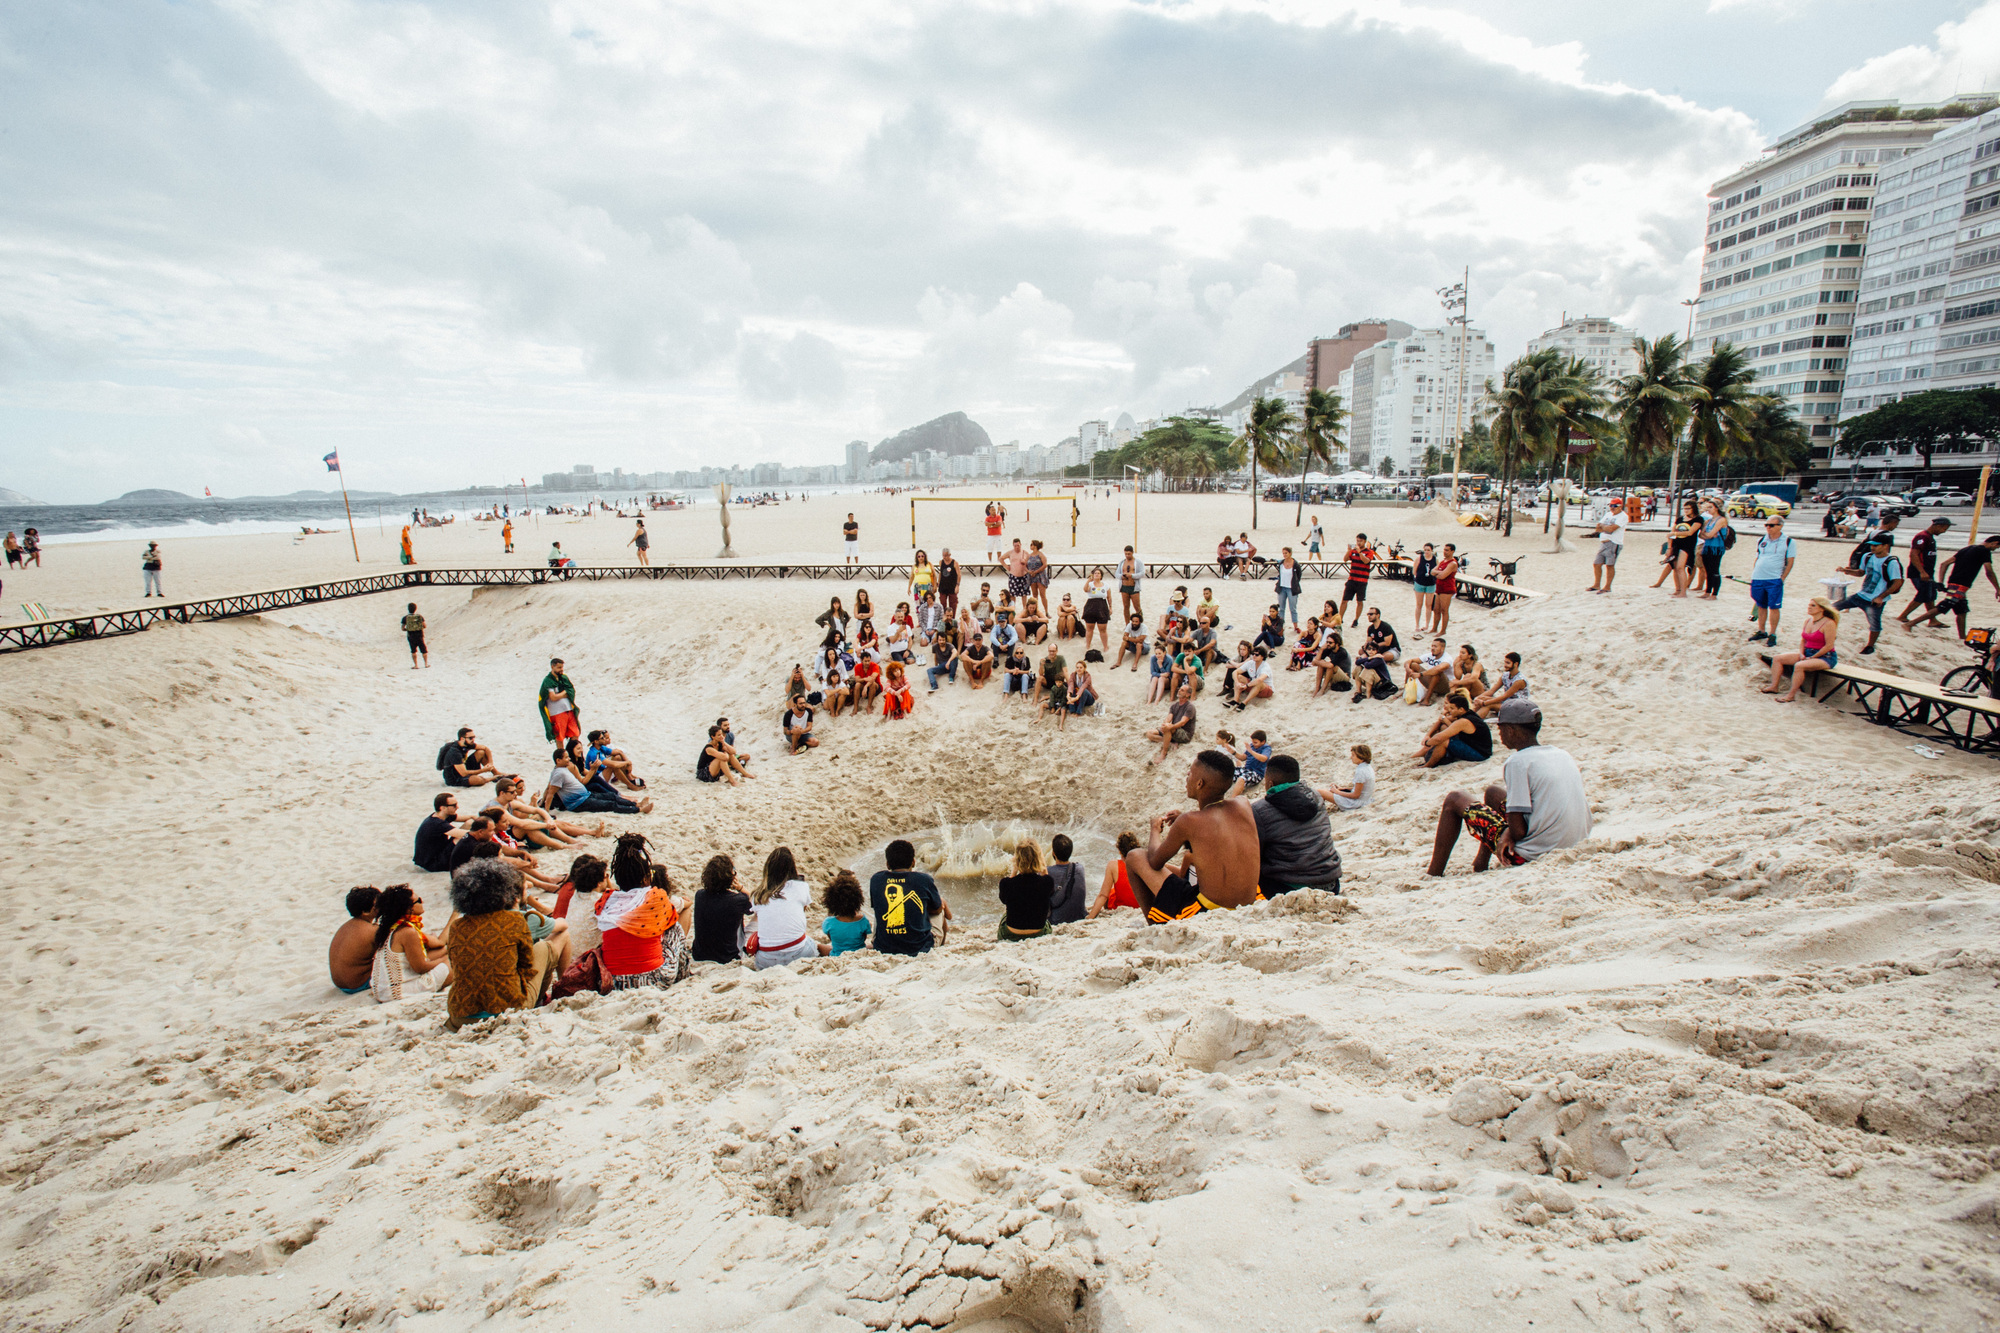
(782, 936)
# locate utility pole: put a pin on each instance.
(1457, 297)
(1674, 468)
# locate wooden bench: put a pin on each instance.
(1913, 707)
(1483, 592)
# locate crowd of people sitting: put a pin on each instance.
(517, 935)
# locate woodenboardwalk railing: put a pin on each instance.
(132, 620)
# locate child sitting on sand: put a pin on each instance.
(1250, 760)
(1362, 790)
(846, 927)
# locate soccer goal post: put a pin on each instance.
(1075, 510)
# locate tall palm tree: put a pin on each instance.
(1777, 441)
(1268, 440)
(1722, 406)
(1652, 402)
(1318, 437)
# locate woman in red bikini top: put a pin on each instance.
(1116, 891)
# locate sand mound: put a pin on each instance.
(1648, 1080)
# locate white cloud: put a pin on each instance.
(1965, 57)
(448, 235)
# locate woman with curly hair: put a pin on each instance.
(495, 966)
(642, 941)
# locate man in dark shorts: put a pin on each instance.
(1218, 839)
(904, 900)
(1178, 729)
(1016, 563)
(1964, 569)
(1360, 563)
(1922, 568)
(413, 630)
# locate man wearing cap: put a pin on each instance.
(1967, 563)
(1776, 554)
(1541, 808)
(1610, 544)
(1881, 574)
(1923, 567)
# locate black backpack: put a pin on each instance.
(444, 751)
(1728, 538)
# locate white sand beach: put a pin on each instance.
(1728, 1064)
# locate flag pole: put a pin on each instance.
(351, 538)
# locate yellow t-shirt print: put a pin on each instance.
(898, 899)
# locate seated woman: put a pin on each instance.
(1082, 694)
(1161, 666)
(781, 903)
(643, 943)
(1069, 623)
(576, 903)
(495, 964)
(1024, 896)
(511, 850)
(1459, 736)
(1306, 650)
(837, 693)
(897, 698)
(978, 660)
(864, 609)
(407, 962)
(867, 643)
(1034, 624)
(1116, 891)
(567, 789)
(1816, 650)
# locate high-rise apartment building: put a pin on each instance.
(857, 460)
(1596, 342)
(1928, 315)
(1408, 394)
(1327, 359)
(1782, 258)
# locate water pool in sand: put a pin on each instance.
(969, 860)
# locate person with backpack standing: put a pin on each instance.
(413, 630)
(1776, 554)
(1881, 577)
(1716, 537)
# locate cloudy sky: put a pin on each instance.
(464, 242)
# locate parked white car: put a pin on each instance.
(1944, 498)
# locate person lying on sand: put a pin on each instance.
(353, 947)
(1218, 842)
(534, 826)
(1539, 807)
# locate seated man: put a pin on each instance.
(1430, 669)
(799, 727)
(351, 956)
(1052, 681)
(1294, 836)
(1252, 680)
(1202, 642)
(437, 833)
(1178, 729)
(1218, 839)
(1132, 641)
(478, 842)
(1332, 666)
(466, 763)
(1541, 808)
(1373, 663)
(611, 761)
(981, 608)
(1006, 636)
(1509, 683)
(978, 659)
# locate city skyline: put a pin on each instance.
(424, 235)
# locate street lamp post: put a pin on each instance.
(1674, 468)
(1136, 482)
(1456, 297)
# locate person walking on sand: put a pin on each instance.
(507, 535)
(408, 553)
(850, 539)
(413, 630)
(1610, 544)
(642, 542)
(1881, 578)
(556, 701)
(149, 570)
(1219, 845)
(1314, 537)
(1923, 568)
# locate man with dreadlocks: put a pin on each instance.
(643, 942)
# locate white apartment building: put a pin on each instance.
(857, 460)
(1929, 310)
(1782, 260)
(1597, 342)
(1405, 395)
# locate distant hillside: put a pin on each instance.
(1262, 387)
(952, 433)
(16, 499)
(319, 495)
(151, 497)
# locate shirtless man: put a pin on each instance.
(1015, 561)
(1218, 839)
(351, 956)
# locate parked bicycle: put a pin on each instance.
(1982, 676)
(1503, 570)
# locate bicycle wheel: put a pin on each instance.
(1964, 680)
